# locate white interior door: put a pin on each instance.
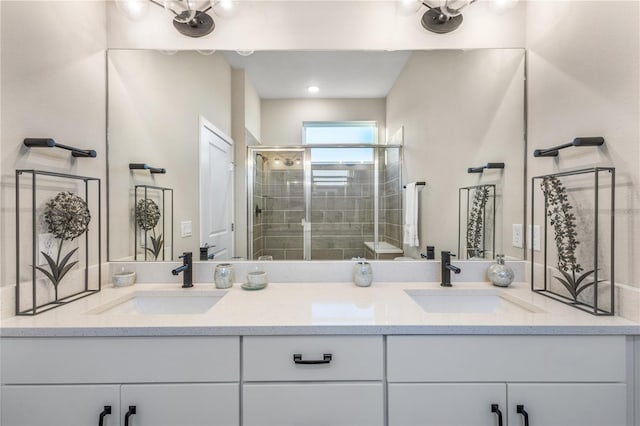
(216, 190)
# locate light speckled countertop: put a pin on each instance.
(313, 309)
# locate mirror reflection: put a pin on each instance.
(306, 155)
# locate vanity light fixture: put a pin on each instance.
(440, 18)
(189, 17)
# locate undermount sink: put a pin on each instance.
(163, 303)
(464, 301)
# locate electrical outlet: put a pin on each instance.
(186, 228)
(46, 244)
(516, 235)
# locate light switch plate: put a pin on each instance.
(186, 228)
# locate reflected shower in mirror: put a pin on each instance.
(435, 114)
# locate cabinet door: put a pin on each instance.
(446, 404)
(301, 404)
(69, 405)
(182, 404)
(583, 404)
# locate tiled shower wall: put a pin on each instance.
(282, 206)
(390, 217)
(342, 214)
(258, 203)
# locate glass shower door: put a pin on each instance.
(342, 201)
(277, 204)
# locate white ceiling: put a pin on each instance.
(339, 74)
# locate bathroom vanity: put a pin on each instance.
(328, 353)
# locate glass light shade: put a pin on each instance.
(407, 7)
(503, 5)
(452, 8)
(225, 8)
(184, 11)
(133, 9)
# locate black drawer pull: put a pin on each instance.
(326, 359)
(132, 411)
(105, 412)
(520, 410)
(495, 408)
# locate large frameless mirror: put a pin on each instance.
(305, 154)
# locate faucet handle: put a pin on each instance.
(187, 255)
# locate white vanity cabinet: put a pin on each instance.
(171, 381)
(313, 380)
(462, 380)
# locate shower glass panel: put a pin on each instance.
(342, 201)
(277, 204)
(325, 202)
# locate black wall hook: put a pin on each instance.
(50, 143)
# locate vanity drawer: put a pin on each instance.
(506, 358)
(335, 404)
(60, 360)
(271, 358)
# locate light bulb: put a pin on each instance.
(504, 5)
(407, 7)
(225, 8)
(133, 9)
(244, 52)
(313, 89)
(206, 52)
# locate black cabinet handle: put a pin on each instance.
(105, 412)
(520, 410)
(326, 359)
(495, 408)
(131, 412)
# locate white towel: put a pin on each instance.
(410, 234)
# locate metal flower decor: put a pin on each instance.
(147, 217)
(476, 220)
(67, 217)
(563, 222)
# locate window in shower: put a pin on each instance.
(341, 133)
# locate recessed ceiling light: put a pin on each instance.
(313, 89)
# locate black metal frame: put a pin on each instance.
(546, 291)
(484, 228)
(50, 143)
(35, 308)
(162, 190)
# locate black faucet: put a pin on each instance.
(186, 269)
(446, 267)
